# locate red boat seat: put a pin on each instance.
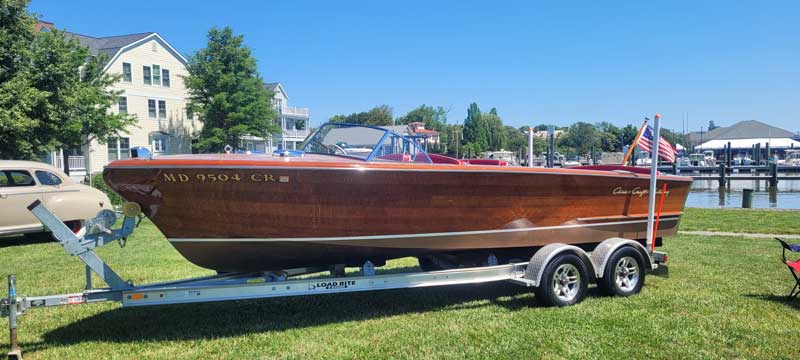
(396, 157)
(492, 162)
(441, 159)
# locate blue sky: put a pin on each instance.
(536, 62)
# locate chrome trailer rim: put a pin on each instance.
(627, 274)
(566, 282)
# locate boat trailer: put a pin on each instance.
(238, 286)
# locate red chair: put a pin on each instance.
(793, 265)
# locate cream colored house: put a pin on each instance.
(293, 121)
(151, 78)
(152, 74)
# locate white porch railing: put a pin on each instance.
(294, 111)
(295, 133)
(76, 162)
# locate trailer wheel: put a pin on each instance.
(427, 264)
(624, 273)
(565, 281)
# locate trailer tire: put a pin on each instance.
(624, 273)
(427, 264)
(565, 281)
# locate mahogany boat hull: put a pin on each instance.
(268, 215)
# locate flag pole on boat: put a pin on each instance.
(634, 142)
(651, 205)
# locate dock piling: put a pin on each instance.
(773, 174)
(747, 198)
(722, 174)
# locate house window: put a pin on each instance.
(151, 108)
(162, 108)
(123, 105)
(146, 75)
(119, 148)
(156, 75)
(126, 72)
(159, 144)
(165, 77)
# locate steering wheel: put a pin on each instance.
(328, 147)
(344, 152)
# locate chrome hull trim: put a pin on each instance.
(425, 235)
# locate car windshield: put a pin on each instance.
(364, 142)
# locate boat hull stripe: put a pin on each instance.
(408, 236)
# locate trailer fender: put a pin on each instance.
(543, 256)
(603, 252)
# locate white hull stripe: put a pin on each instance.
(410, 236)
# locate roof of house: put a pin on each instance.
(275, 87)
(108, 45)
(748, 129)
(271, 86)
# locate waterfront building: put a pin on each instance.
(744, 136)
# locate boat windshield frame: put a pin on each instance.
(387, 134)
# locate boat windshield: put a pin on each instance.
(369, 143)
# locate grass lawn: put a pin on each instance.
(723, 300)
(742, 220)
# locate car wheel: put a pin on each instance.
(565, 281)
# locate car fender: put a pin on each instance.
(77, 203)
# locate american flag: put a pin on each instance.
(665, 149)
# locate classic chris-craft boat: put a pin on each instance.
(358, 193)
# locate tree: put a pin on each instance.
(453, 140)
(516, 139)
(475, 131)
(495, 134)
(434, 119)
(380, 116)
(581, 137)
(674, 137)
(627, 134)
(609, 136)
(53, 92)
(226, 90)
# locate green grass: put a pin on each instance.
(723, 300)
(742, 220)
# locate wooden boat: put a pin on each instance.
(324, 206)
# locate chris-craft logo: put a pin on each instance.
(637, 191)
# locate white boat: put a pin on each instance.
(791, 158)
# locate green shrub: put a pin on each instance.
(99, 183)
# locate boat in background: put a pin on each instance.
(334, 203)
